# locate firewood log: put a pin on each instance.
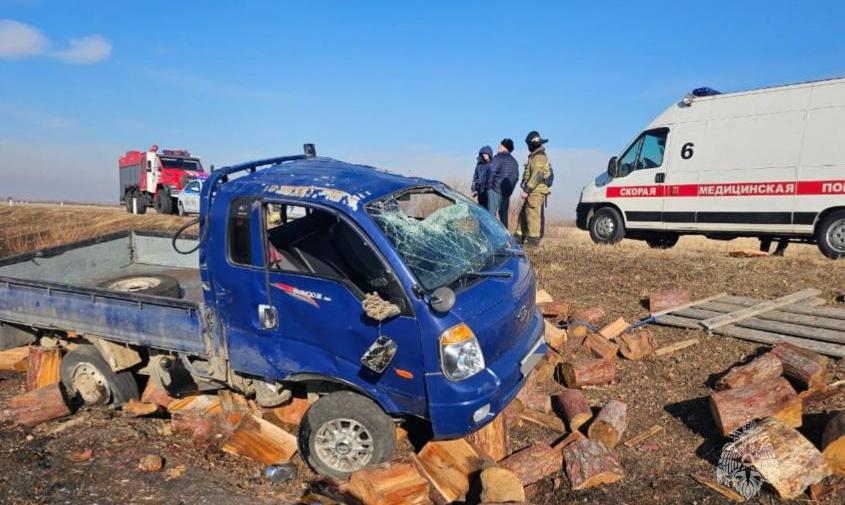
(14, 359)
(733, 408)
(587, 371)
(549, 421)
(393, 483)
(531, 398)
(292, 412)
(574, 406)
(668, 298)
(614, 329)
(569, 439)
(512, 413)
(43, 367)
(556, 310)
(261, 441)
(788, 461)
(555, 337)
(154, 392)
(637, 344)
(545, 369)
(609, 424)
(808, 367)
(600, 346)
(501, 485)
(447, 466)
(493, 440)
(761, 369)
(590, 464)
(138, 409)
(37, 406)
(533, 463)
(833, 443)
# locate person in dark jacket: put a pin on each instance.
(479, 178)
(503, 173)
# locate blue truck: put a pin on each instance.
(383, 297)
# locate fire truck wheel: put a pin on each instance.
(662, 240)
(141, 205)
(344, 432)
(87, 376)
(606, 226)
(163, 203)
(155, 285)
(180, 209)
(830, 235)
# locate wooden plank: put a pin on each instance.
(690, 304)
(724, 319)
(810, 306)
(677, 346)
(784, 328)
(759, 336)
(782, 316)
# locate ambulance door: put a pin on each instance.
(683, 172)
(638, 187)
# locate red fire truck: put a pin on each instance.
(154, 178)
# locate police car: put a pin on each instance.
(767, 163)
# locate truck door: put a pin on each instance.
(638, 189)
(316, 269)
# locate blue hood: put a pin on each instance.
(485, 150)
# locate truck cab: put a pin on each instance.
(154, 178)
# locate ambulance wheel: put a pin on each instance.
(662, 240)
(343, 432)
(830, 235)
(180, 209)
(87, 376)
(606, 226)
(163, 203)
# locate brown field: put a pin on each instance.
(670, 391)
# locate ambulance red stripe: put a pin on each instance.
(776, 188)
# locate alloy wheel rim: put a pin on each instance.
(344, 445)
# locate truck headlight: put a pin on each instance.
(460, 353)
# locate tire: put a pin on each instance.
(606, 226)
(830, 235)
(163, 202)
(662, 240)
(180, 209)
(142, 202)
(345, 409)
(87, 377)
(154, 285)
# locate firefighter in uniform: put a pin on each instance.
(534, 190)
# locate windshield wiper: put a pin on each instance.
(486, 273)
(507, 251)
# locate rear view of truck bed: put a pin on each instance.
(60, 288)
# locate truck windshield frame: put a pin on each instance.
(190, 164)
(441, 237)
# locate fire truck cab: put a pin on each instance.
(153, 178)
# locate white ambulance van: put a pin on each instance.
(767, 163)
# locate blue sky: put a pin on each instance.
(415, 87)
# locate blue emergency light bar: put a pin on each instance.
(705, 91)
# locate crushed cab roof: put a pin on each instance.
(326, 180)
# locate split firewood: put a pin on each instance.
(533, 463)
(37, 406)
(205, 429)
(569, 439)
(574, 406)
(677, 346)
(761, 369)
(833, 443)
(733, 408)
(292, 412)
(590, 315)
(543, 297)
(798, 462)
(393, 483)
(154, 392)
(549, 421)
(601, 347)
(501, 485)
(668, 298)
(808, 367)
(261, 441)
(637, 345)
(202, 404)
(545, 369)
(512, 414)
(589, 464)
(609, 424)
(493, 440)
(14, 360)
(556, 310)
(587, 371)
(614, 329)
(138, 409)
(530, 397)
(822, 393)
(642, 437)
(43, 367)
(447, 466)
(725, 491)
(555, 337)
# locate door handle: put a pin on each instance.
(660, 178)
(267, 316)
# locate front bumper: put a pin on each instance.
(472, 403)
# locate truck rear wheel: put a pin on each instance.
(606, 226)
(830, 235)
(662, 240)
(87, 376)
(141, 202)
(344, 432)
(154, 285)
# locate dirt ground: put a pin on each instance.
(670, 391)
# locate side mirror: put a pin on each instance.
(442, 300)
(613, 167)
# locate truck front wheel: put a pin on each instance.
(163, 202)
(830, 235)
(344, 432)
(606, 226)
(87, 376)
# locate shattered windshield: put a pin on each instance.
(440, 235)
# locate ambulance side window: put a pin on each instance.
(628, 160)
(653, 147)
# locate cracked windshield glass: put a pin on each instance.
(441, 235)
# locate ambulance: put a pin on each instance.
(766, 163)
